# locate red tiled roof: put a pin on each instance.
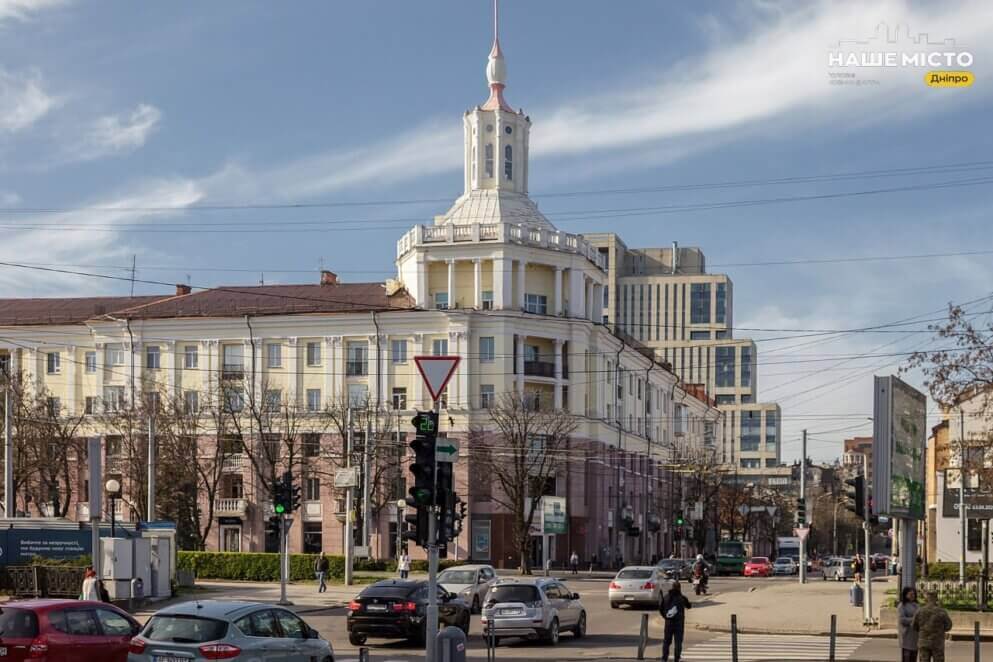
(23, 312)
(273, 300)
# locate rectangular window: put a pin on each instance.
(725, 366)
(312, 489)
(751, 430)
(113, 445)
(700, 303)
(114, 355)
(665, 314)
(191, 401)
(232, 444)
(721, 314)
(536, 303)
(439, 347)
(54, 406)
(313, 354)
(723, 335)
(90, 360)
(641, 312)
(487, 299)
(273, 399)
(53, 362)
(153, 357)
(4, 362)
(771, 462)
(357, 363)
(486, 348)
(487, 396)
(748, 399)
(751, 463)
(770, 430)
(399, 397)
(699, 335)
(441, 300)
(234, 399)
(398, 351)
(532, 354)
(233, 361)
(90, 405)
(311, 443)
(488, 158)
(682, 312)
(725, 399)
(358, 395)
(113, 398)
(191, 357)
(313, 399)
(274, 355)
(746, 366)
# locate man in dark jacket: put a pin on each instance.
(931, 623)
(673, 610)
(321, 568)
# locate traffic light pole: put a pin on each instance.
(282, 562)
(431, 627)
(349, 504)
(867, 527)
(803, 496)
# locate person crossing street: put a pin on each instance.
(673, 610)
(321, 568)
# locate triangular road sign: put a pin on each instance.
(436, 371)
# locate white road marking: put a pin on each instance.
(758, 647)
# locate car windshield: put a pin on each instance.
(457, 577)
(513, 593)
(18, 624)
(634, 573)
(670, 564)
(180, 628)
(784, 561)
(759, 559)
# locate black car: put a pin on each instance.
(675, 568)
(396, 609)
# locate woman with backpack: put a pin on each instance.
(673, 610)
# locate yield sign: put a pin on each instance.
(436, 371)
(801, 533)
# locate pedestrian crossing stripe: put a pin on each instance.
(781, 648)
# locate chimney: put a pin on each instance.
(182, 289)
(328, 277)
(675, 256)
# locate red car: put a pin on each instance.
(758, 566)
(64, 631)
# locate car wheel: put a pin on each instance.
(475, 604)
(552, 636)
(356, 639)
(580, 630)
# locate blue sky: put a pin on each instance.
(128, 105)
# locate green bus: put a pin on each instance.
(731, 557)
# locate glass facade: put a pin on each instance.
(722, 303)
(746, 366)
(751, 430)
(770, 430)
(725, 366)
(700, 303)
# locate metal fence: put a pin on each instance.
(40, 581)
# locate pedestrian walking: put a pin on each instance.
(906, 634)
(931, 622)
(90, 590)
(574, 562)
(321, 568)
(858, 565)
(403, 565)
(673, 610)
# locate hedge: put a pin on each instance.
(950, 570)
(264, 567)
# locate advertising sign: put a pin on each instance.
(554, 515)
(978, 500)
(19, 546)
(899, 435)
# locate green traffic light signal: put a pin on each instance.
(279, 508)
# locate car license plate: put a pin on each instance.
(169, 658)
(511, 612)
(376, 607)
(629, 597)
(3, 651)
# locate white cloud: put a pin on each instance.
(114, 134)
(9, 198)
(21, 10)
(23, 101)
(96, 245)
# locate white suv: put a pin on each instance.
(538, 608)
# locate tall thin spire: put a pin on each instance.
(496, 68)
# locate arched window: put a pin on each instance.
(489, 159)
(508, 162)
(474, 160)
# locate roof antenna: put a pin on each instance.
(496, 20)
(134, 260)
(261, 278)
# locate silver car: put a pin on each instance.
(469, 582)
(220, 630)
(538, 608)
(838, 569)
(637, 585)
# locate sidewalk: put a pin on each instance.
(789, 608)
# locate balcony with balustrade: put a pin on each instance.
(230, 507)
(500, 233)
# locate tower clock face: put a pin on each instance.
(508, 130)
(489, 128)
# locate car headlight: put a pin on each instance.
(466, 593)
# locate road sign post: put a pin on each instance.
(435, 371)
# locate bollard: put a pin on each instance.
(734, 638)
(643, 637)
(834, 633)
(363, 654)
(490, 636)
(975, 642)
(451, 645)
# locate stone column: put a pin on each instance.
(334, 370)
(169, 362)
(520, 364)
(460, 339)
(576, 294)
(420, 289)
(70, 370)
(101, 360)
(451, 283)
(137, 360)
(557, 398)
(417, 348)
(522, 266)
(375, 378)
(557, 291)
(477, 272)
(292, 368)
(503, 283)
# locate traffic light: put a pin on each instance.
(871, 514)
(856, 496)
(295, 491)
(801, 512)
(417, 526)
(422, 494)
(679, 519)
(272, 525)
(280, 497)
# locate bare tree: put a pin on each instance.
(26, 437)
(54, 452)
(523, 453)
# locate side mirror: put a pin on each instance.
(312, 633)
(575, 596)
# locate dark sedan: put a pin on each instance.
(675, 568)
(397, 609)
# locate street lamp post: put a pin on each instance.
(401, 505)
(113, 488)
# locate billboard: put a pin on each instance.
(899, 437)
(978, 500)
(550, 516)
